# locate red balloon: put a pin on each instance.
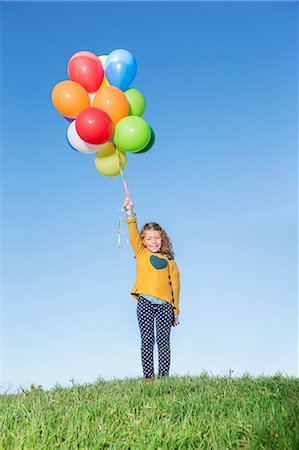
(94, 126)
(86, 71)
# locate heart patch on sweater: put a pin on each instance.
(158, 263)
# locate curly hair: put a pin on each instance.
(166, 248)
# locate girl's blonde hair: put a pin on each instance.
(166, 248)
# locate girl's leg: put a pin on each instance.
(164, 317)
(145, 315)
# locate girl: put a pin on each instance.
(157, 290)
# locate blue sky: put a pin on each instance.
(220, 80)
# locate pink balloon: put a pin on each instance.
(85, 53)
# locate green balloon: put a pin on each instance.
(136, 102)
(149, 144)
(131, 134)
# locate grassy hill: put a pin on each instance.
(200, 412)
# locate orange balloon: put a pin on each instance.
(70, 98)
(113, 101)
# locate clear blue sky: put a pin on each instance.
(220, 80)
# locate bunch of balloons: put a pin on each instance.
(103, 111)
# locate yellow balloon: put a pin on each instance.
(105, 82)
(106, 161)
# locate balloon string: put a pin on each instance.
(122, 173)
(119, 232)
(124, 204)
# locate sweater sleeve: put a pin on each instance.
(175, 284)
(135, 238)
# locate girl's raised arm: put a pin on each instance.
(131, 220)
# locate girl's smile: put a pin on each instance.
(153, 240)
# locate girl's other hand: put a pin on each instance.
(176, 321)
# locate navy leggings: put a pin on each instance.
(146, 314)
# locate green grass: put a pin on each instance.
(202, 412)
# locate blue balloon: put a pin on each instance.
(120, 68)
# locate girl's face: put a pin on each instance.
(152, 240)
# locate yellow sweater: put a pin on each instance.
(156, 274)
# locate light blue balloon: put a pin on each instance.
(120, 68)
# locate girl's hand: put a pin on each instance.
(128, 204)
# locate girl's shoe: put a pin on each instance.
(149, 379)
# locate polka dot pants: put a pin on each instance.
(146, 314)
